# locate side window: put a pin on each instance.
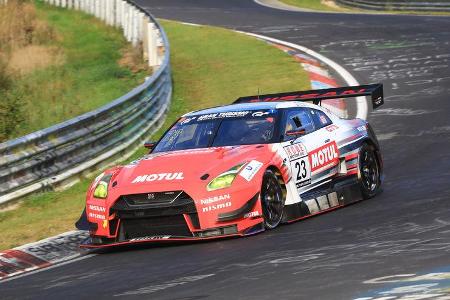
(320, 118)
(298, 119)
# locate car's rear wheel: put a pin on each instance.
(272, 201)
(369, 170)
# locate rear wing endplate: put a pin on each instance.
(374, 91)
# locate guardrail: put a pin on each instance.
(58, 155)
(409, 5)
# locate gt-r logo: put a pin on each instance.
(259, 114)
(158, 177)
(323, 157)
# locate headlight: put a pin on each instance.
(101, 190)
(225, 179)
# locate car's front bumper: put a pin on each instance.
(95, 242)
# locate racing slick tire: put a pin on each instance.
(369, 171)
(272, 201)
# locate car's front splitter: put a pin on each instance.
(89, 244)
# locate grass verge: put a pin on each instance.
(210, 66)
(318, 5)
(331, 6)
(72, 70)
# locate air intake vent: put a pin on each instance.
(156, 226)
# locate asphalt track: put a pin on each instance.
(405, 230)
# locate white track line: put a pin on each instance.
(361, 103)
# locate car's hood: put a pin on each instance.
(178, 170)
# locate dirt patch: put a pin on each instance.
(23, 37)
(20, 27)
(12, 206)
(26, 60)
(331, 4)
(132, 58)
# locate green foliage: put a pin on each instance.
(87, 76)
(11, 112)
(314, 5)
(5, 78)
(11, 109)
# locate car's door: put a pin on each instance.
(310, 146)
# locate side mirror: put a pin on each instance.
(296, 133)
(149, 145)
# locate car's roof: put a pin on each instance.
(250, 107)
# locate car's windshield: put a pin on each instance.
(219, 129)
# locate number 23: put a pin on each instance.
(302, 172)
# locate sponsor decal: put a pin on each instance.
(252, 214)
(331, 127)
(105, 224)
(296, 151)
(215, 199)
(303, 183)
(323, 119)
(327, 155)
(151, 156)
(250, 170)
(216, 206)
(158, 177)
(156, 237)
(362, 128)
(95, 212)
(229, 114)
(96, 216)
(378, 100)
(186, 120)
(260, 113)
(97, 208)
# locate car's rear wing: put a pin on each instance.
(375, 91)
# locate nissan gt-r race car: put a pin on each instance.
(237, 170)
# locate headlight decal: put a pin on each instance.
(225, 179)
(101, 189)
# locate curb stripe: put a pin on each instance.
(326, 80)
(317, 70)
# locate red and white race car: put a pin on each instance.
(237, 170)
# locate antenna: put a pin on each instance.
(258, 94)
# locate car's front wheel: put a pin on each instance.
(271, 200)
(369, 171)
